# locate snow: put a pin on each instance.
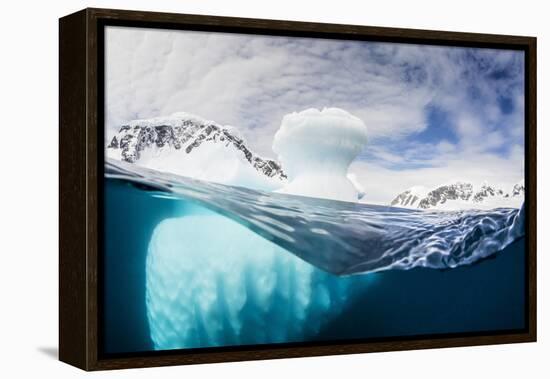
(521, 183)
(358, 186)
(486, 204)
(316, 148)
(504, 200)
(175, 119)
(211, 161)
(113, 153)
(419, 191)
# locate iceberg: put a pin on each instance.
(211, 281)
(316, 148)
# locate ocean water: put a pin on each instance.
(190, 264)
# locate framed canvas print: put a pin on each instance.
(235, 189)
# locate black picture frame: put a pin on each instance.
(81, 111)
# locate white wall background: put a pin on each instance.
(28, 201)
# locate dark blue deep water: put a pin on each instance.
(189, 264)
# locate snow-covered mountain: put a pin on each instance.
(191, 146)
(460, 195)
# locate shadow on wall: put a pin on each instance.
(49, 351)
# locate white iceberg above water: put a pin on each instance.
(316, 148)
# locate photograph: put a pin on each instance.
(272, 190)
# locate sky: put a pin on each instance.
(434, 114)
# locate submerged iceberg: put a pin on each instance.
(316, 148)
(213, 282)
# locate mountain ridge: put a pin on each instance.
(460, 195)
(143, 141)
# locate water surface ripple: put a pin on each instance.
(340, 237)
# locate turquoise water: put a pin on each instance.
(189, 264)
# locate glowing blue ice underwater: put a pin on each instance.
(213, 282)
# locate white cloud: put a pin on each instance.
(251, 82)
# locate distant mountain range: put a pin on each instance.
(191, 146)
(460, 195)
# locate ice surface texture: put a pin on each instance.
(316, 148)
(213, 282)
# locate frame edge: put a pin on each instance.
(531, 176)
(249, 25)
(72, 192)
